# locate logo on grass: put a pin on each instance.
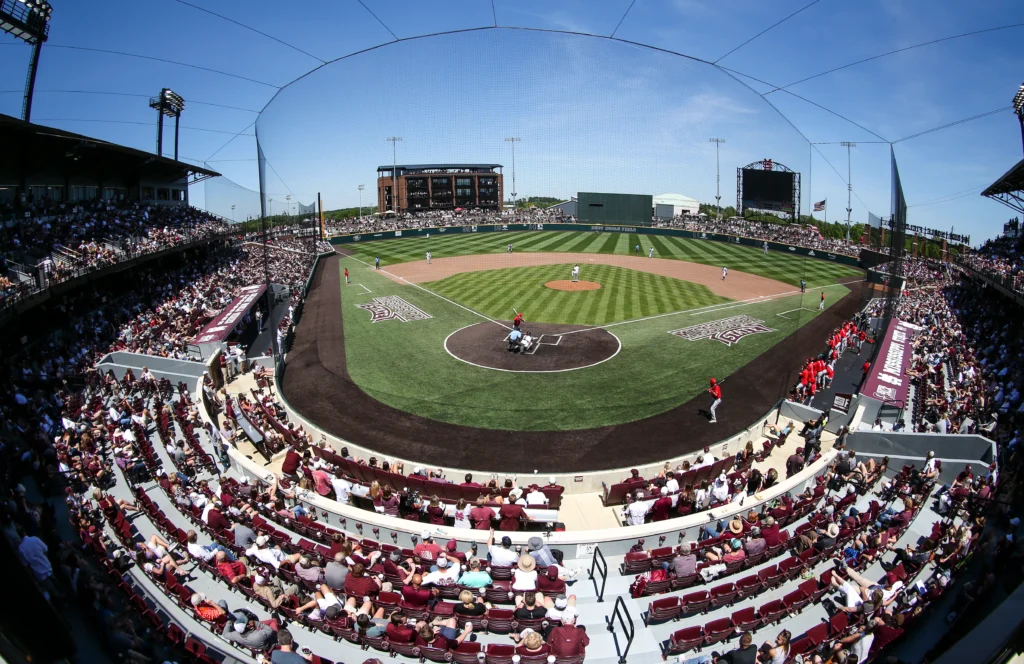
(393, 307)
(727, 330)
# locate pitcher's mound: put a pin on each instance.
(565, 284)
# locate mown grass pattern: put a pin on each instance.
(624, 294)
(776, 265)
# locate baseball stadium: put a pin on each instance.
(592, 373)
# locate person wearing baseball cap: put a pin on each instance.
(503, 555)
(716, 398)
(427, 550)
(247, 629)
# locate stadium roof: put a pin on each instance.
(1009, 189)
(675, 199)
(42, 150)
(425, 167)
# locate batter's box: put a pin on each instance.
(544, 340)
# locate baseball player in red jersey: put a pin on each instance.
(821, 305)
(346, 276)
(716, 398)
(518, 320)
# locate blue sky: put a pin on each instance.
(593, 114)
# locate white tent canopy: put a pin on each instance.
(680, 204)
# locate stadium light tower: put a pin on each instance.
(849, 185)
(718, 179)
(1018, 108)
(29, 21)
(513, 140)
(394, 140)
(232, 214)
(171, 104)
(361, 187)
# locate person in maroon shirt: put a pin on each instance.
(770, 532)
(435, 512)
(470, 483)
(661, 506)
(414, 595)
(358, 584)
(568, 640)
(398, 630)
(427, 549)
(549, 584)
(481, 515)
(217, 521)
(887, 629)
(452, 550)
(291, 462)
(510, 515)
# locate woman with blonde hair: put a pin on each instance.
(375, 496)
(777, 652)
(435, 512)
(471, 605)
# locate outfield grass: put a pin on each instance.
(775, 265)
(405, 365)
(624, 294)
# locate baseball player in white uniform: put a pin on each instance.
(765, 245)
(428, 258)
(650, 254)
(725, 273)
(575, 273)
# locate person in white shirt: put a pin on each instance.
(461, 514)
(502, 556)
(516, 496)
(342, 488)
(635, 512)
(447, 573)
(524, 577)
(536, 497)
(671, 483)
(271, 555)
(720, 490)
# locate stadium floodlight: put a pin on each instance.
(361, 187)
(849, 185)
(513, 140)
(718, 178)
(1018, 108)
(171, 104)
(29, 21)
(394, 141)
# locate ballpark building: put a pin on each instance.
(426, 187)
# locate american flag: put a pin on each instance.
(819, 206)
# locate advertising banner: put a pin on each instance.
(886, 380)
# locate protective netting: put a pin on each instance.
(592, 115)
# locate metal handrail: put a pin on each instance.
(625, 620)
(604, 572)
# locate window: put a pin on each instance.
(8, 193)
(147, 193)
(463, 182)
(464, 193)
(163, 194)
(47, 192)
(80, 192)
(114, 193)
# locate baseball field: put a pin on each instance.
(643, 338)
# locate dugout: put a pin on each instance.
(614, 209)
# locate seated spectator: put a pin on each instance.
(446, 574)
(470, 605)
(528, 608)
(399, 630)
(248, 630)
(531, 644)
(524, 576)
(441, 633)
(755, 543)
(549, 583)
(207, 610)
(568, 640)
(232, 570)
(427, 549)
(475, 577)
(309, 570)
(359, 584)
(684, 564)
(502, 556)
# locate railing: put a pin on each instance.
(603, 569)
(625, 621)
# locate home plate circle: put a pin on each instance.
(555, 348)
(566, 285)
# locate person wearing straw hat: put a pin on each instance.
(524, 577)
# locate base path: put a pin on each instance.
(316, 383)
(738, 286)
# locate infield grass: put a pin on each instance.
(624, 294)
(788, 269)
(406, 366)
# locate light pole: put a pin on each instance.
(394, 140)
(361, 187)
(288, 209)
(513, 140)
(718, 179)
(849, 185)
(1018, 108)
(232, 214)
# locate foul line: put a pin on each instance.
(783, 313)
(364, 288)
(703, 310)
(427, 290)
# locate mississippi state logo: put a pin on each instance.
(393, 307)
(727, 330)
